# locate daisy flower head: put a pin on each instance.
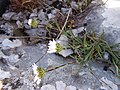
(54, 46)
(38, 72)
(33, 23)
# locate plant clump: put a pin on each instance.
(89, 46)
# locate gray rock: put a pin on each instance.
(50, 2)
(65, 10)
(21, 16)
(19, 24)
(42, 15)
(66, 52)
(60, 85)
(1, 54)
(11, 44)
(15, 17)
(36, 32)
(54, 11)
(7, 27)
(27, 26)
(8, 16)
(48, 87)
(43, 22)
(32, 15)
(50, 16)
(72, 74)
(4, 74)
(12, 58)
(35, 10)
(25, 23)
(70, 88)
(107, 19)
(77, 31)
(74, 5)
(107, 84)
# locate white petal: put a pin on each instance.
(51, 51)
(70, 88)
(60, 85)
(66, 52)
(52, 42)
(38, 81)
(48, 87)
(52, 46)
(36, 78)
(34, 67)
(29, 22)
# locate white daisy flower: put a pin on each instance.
(52, 46)
(33, 23)
(35, 70)
(59, 46)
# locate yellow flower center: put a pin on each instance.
(58, 47)
(41, 72)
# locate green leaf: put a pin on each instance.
(85, 41)
(87, 57)
(99, 51)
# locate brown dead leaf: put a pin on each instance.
(20, 5)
